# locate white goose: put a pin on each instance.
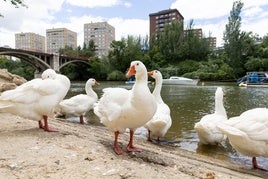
(78, 105)
(161, 121)
(36, 99)
(206, 128)
(119, 109)
(248, 133)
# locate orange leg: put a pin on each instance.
(81, 119)
(130, 146)
(40, 124)
(46, 127)
(149, 136)
(255, 164)
(117, 149)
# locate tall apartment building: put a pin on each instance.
(59, 38)
(102, 34)
(30, 41)
(159, 19)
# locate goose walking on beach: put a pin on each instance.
(80, 104)
(161, 121)
(248, 133)
(36, 99)
(206, 128)
(119, 108)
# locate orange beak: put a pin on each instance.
(131, 71)
(97, 83)
(150, 73)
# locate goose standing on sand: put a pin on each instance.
(36, 99)
(206, 128)
(248, 133)
(78, 105)
(119, 108)
(161, 121)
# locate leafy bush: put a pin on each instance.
(18, 67)
(257, 64)
(116, 76)
(187, 66)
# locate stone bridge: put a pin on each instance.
(42, 61)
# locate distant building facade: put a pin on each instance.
(30, 41)
(197, 32)
(212, 42)
(102, 34)
(59, 38)
(159, 19)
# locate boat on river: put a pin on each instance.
(132, 81)
(176, 80)
(254, 79)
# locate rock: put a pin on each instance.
(7, 86)
(9, 81)
(18, 80)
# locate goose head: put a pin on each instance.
(92, 82)
(155, 74)
(138, 69)
(49, 73)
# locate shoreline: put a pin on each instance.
(86, 151)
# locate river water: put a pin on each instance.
(188, 104)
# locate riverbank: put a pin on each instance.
(85, 151)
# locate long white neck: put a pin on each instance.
(141, 79)
(91, 92)
(157, 90)
(219, 108)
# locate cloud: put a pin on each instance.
(97, 3)
(125, 27)
(193, 9)
(207, 9)
(253, 14)
(42, 15)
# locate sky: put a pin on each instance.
(129, 17)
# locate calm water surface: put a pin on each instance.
(188, 104)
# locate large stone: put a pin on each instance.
(9, 81)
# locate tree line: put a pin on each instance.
(177, 52)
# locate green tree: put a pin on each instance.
(117, 54)
(257, 64)
(18, 67)
(170, 41)
(125, 51)
(262, 48)
(88, 50)
(175, 45)
(194, 47)
(100, 68)
(236, 43)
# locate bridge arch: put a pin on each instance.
(38, 63)
(73, 61)
(41, 61)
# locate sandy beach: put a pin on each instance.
(86, 151)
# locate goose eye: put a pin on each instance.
(156, 71)
(137, 64)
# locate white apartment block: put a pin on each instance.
(30, 41)
(102, 34)
(59, 38)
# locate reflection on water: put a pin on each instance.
(188, 104)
